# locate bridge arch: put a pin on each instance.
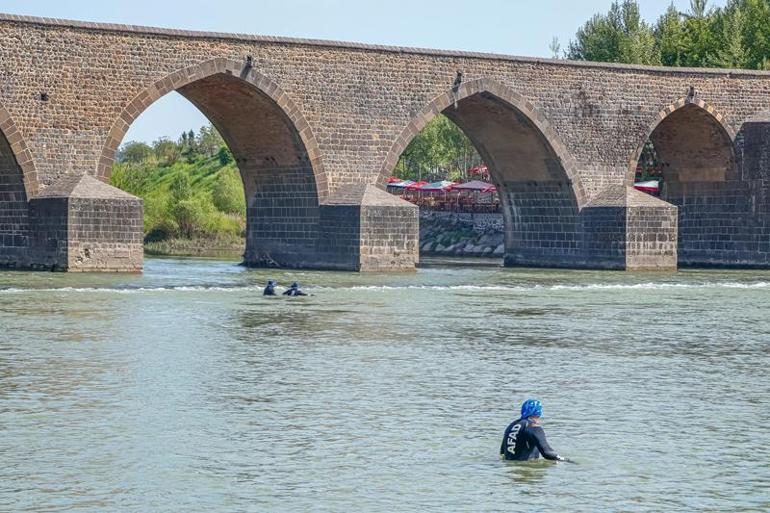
(696, 147)
(694, 140)
(496, 91)
(18, 182)
(20, 152)
(272, 144)
(540, 189)
(185, 78)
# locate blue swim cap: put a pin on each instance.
(531, 408)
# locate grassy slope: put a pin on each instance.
(152, 182)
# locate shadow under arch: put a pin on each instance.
(20, 152)
(701, 176)
(694, 139)
(517, 104)
(540, 189)
(181, 81)
(273, 145)
(18, 183)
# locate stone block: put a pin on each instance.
(82, 224)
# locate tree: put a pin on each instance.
(698, 35)
(224, 155)
(736, 36)
(130, 177)
(637, 44)
(555, 48)
(209, 141)
(731, 51)
(669, 36)
(190, 216)
(227, 194)
(618, 36)
(698, 9)
(756, 19)
(441, 150)
(599, 38)
(180, 187)
(134, 152)
(166, 151)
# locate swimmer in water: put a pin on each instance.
(525, 439)
(294, 291)
(270, 289)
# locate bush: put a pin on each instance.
(225, 226)
(225, 155)
(198, 198)
(191, 215)
(129, 177)
(180, 188)
(227, 193)
(134, 152)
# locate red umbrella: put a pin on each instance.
(474, 185)
(478, 170)
(442, 186)
(416, 186)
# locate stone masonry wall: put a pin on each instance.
(389, 240)
(69, 91)
(544, 228)
(14, 212)
(105, 235)
(356, 99)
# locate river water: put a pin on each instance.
(183, 389)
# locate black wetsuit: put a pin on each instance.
(294, 292)
(525, 440)
(269, 291)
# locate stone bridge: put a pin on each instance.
(317, 126)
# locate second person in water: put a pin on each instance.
(294, 290)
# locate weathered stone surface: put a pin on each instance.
(309, 120)
(366, 229)
(82, 224)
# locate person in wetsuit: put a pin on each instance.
(525, 439)
(270, 289)
(294, 290)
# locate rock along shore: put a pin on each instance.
(461, 234)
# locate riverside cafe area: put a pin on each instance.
(474, 196)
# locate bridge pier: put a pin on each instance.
(80, 224)
(367, 229)
(619, 229)
(625, 229)
(361, 228)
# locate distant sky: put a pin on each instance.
(518, 27)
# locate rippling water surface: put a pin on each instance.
(185, 390)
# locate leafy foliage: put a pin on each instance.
(440, 151)
(736, 36)
(191, 188)
(618, 36)
(227, 193)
